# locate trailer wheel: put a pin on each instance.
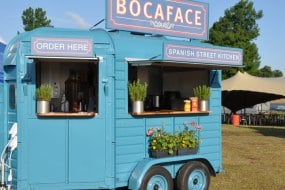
(193, 175)
(157, 178)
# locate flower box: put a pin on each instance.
(160, 154)
(186, 151)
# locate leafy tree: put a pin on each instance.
(34, 18)
(238, 28)
(267, 72)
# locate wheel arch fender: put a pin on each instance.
(139, 172)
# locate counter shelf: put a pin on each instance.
(65, 114)
(169, 112)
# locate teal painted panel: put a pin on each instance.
(87, 150)
(121, 123)
(130, 140)
(210, 134)
(47, 151)
(121, 103)
(130, 131)
(211, 141)
(1, 116)
(130, 149)
(165, 123)
(121, 85)
(210, 149)
(121, 75)
(121, 94)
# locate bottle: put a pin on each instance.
(66, 106)
(63, 100)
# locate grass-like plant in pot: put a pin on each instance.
(203, 92)
(138, 93)
(43, 97)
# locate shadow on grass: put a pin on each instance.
(273, 131)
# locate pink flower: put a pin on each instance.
(193, 123)
(199, 127)
(149, 132)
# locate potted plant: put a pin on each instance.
(188, 140)
(162, 144)
(203, 92)
(138, 93)
(43, 97)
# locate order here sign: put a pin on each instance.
(167, 17)
(78, 47)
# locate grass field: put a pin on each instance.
(253, 158)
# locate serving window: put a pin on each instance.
(168, 86)
(74, 84)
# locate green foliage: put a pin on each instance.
(44, 92)
(187, 139)
(161, 140)
(34, 18)
(266, 71)
(137, 90)
(238, 28)
(203, 92)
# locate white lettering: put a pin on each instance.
(187, 16)
(178, 16)
(169, 12)
(50, 46)
(77, 47)
(121, 7)
(145, 8)
(160, 12)
(198, 18)
(133, 4)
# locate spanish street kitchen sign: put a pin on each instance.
(167, 17)
(215, 55)
(76, 47)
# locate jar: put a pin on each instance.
(187, 105)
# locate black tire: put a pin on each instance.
(193, 175)
(157, 178)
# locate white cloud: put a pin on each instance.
(78, 20)
(2, 40)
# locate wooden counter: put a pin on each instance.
(65, 114)
(169, 112)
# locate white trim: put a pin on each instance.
(50, 57)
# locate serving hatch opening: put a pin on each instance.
(73, 79)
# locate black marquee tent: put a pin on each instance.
(244, 91)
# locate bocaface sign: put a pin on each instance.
(167, 17)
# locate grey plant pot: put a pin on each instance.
(203, 105)
(43, 106)
(138, 107)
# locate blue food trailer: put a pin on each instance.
(97, 141)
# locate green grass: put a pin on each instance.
(253, 158)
